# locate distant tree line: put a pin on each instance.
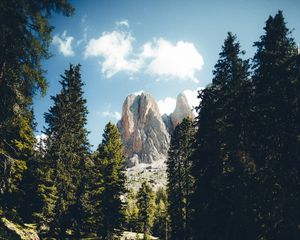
(234, 172)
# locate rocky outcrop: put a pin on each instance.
(182, 110)
(11, 230)
(143, 132)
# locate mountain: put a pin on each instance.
(182, 110)
(146, 137)
(143, 131)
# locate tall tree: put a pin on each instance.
(180, 181)
(145, 204)
(161, 225)
(275, 135)
(110, 180)
(25, 37)
(131, 211)
(220, 161)
(67, 148)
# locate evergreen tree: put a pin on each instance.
(161, 219)
(110, 178)
(131, 211)
(67, 150)
(220, 162)
(275, 135)
(180, 181)
(145, 204)
(25, 37)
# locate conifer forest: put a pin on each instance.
(233, 171)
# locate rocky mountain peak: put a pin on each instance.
(182, 110)
(143, 132)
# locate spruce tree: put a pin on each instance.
(180, 181)
(220, 160)
(25, 38)
(145, 204)
(67, 149)
(131, 211)
(110, 182)
(275, 135)
(161, 218)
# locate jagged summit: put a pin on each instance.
(182, 110)
(145, 133)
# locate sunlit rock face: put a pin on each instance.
(145, 133)
(182, 110)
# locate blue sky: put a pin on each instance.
(162, 47)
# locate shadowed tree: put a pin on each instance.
(25, 38)
(180, 181)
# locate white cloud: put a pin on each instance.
(181, 60)
(192, 98)
(158, 57)
(115, 47)
(123, 23)
(113, 115)
(64, 44)
(167, 105)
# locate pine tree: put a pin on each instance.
(145, 204)
(131, 211)
(275, 141)
(220, 161)
(161, 218)
(180, 181)
(110, 180)
(25, 38)
(67, 149)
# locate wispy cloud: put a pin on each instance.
(112, 115)
(64, 44)
(122, 23)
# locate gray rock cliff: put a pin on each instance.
(145, 133)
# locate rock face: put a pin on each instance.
(182, 110)
(14, 231)
(145, 133)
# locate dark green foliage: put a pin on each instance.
(180, 181)
(131, 212)
(25, 38)
(67, 153)
(146, 204)
(275, 131)
(246, 162)
(161, 225)
(221, 162)
(109, 183)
